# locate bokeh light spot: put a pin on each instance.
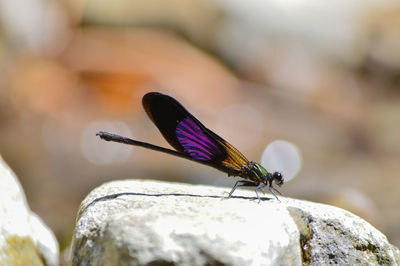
(284, 157)
(99, 151)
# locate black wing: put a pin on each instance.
(188, 135)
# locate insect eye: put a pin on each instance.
(278, 178)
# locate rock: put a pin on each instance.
(136, 222)
(24, 238)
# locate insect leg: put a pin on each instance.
(261, 186)
(271, 188)
(242, 183)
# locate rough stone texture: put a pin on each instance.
(137, 222)
(24, 238)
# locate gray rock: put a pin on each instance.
(136, 222)
(24, 238)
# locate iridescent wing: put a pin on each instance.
(188, 135)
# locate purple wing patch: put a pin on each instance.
(195, 142)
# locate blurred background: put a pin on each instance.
(325, 77)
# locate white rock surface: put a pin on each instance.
(24, 238)
(136, 222)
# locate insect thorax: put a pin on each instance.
(255, 172)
